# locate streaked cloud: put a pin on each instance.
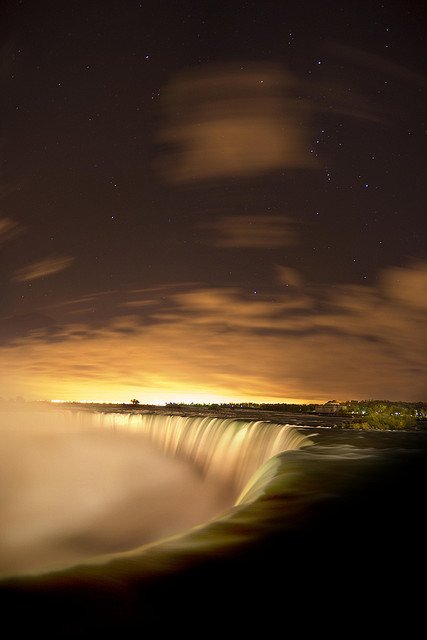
(9, 229)
(42, 268)
(379, 63)
(331, 96)
(232, 309)
(225, 121)
(344, 341)
(255, 232)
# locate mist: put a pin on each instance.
(70, 491)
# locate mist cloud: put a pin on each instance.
(69, 492)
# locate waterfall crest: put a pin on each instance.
(76, 485)
(228, 449)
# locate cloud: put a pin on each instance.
(42, 268)
(288, 276)
(378, 63)
(255, 232)
(231, 121)
(356, 96)
(231, 309)
(19, 325)
(407, 285)
(343, 341)
(331, 96)
(9, 229)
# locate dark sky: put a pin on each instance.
(213, 200)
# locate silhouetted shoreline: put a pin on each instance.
(309, 419)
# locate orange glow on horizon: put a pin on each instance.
(162, 398)
(153, 401)
(219, 346)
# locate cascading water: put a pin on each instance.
(304, 521)
(224, 448)
(76, 485)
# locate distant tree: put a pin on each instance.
(134, 401)
(384, 415)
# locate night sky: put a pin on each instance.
(213, 201)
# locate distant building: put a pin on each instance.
(332, 406)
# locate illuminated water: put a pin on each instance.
(76, 485)
(224, 449)
(317, 533)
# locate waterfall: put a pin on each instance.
(224, 448)
(75, 485)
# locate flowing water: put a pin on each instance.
(75, 485)
(123, 522)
